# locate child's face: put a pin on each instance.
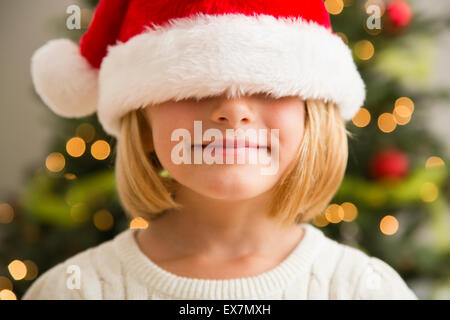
(224, 181)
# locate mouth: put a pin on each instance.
(230, 144)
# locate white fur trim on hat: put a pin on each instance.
(238, 54)
(64, 79)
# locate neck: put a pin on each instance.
(234, 228)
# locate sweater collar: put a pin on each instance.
(297, 263)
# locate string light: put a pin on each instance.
(70, 176)
(386, 122)
(362, 118)
(334, 213)
(389, 225)
(17, 269)
(6, 294)
(103, 220)
(350, 211)
(334, 6)
(343, 37)
(76, 147)
(55, 162)
(364, 50)
(32, 270)
(6, 213)
(86, 131)
(434, 162)
(100, 150)
(139, 223)
(429, 192)
(320, 220)
(5, 283)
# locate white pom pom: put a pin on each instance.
(64, 79)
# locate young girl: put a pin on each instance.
(181, 83)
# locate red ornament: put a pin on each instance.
(399, 13)
(389, 164)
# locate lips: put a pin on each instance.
(229, 144)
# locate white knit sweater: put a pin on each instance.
(318, 268)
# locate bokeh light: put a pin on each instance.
(334, 213)
(364, 50)
(32, 270)
(429, 192)
(103, 220)
(86, 131)
(17, 269)
(334, 6)
(386, 122)
(6, 294)
(362, 118)
(76, 147)
(139, 223)
(350, 211)
(343, 37)
(100, 150)
(389, 225)
(434, 162)
(320, 220)
(55, 162)
(6, 213)
(5, 283)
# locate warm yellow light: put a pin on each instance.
(103, 220)
(348, 3)
(334, 6)
(100, 150)
(70, 176)
(76, 147)
(362, 118)
(17, 269)
(350, 211)
(334, 213)
(386, 122)
(138, 223)
(343, 37)
(79, 212)
(402, 115)
(389, 225)
(55, 162)
(32, 270)
(6, 213)
(429, 192)
(6, 294)
(320, 220)
(86, 131)
(406, 103)
(434, 162)
(364, 49)
(5, 283)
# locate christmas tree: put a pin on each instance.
(392, 204)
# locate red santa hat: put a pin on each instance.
(138, 52)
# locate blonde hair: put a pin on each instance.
(303, 191)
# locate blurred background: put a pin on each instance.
(57, 192)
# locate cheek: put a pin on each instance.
(164, 122)
(290, 122)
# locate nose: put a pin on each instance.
(233, 112)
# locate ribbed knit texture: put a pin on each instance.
(318, 268)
